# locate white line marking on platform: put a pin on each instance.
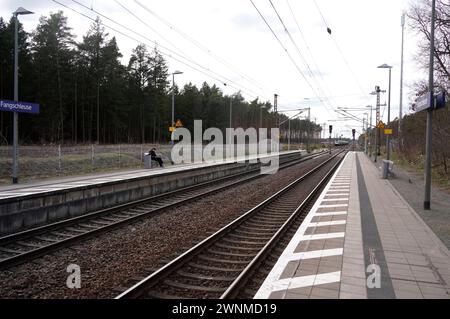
(322, 236)
(332, 223)
(335, 199)
(315, 254)
(328, 278)
(301, 282)
(330, 214)
(272, 282)
(332, 206)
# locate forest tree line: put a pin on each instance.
(87, 95)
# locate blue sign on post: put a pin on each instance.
(19, 107)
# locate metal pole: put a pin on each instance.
(231, 126)
(260, 117)
(388, 140)
(231, 112)
(15, 172)
(377, 89)
(401, 82)
(98, 116)
(173, 107)
(173, 99)
(329, 142)
(308, 129)
(427, 200)
(366, 132)
(289, 136)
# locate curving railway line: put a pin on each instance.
(223, 265)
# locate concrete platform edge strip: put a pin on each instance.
(272, 282)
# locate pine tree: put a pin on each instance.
(53, 53)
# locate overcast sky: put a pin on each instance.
(237, 45)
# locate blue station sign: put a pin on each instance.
(423, 102)
(19, 107)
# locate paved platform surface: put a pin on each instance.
(60, 184)
(361, 240)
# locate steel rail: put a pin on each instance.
(164, 272)
(24, 256)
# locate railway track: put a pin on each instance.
(221, 265)
(28, 245)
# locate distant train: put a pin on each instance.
(341, 142)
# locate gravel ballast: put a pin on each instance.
(113, 259)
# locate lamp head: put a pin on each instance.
(22, 11)
(177, 72)
(385, 66)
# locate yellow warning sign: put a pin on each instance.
(381, 125)
(172, 129)
(388, 131)
(179, 124)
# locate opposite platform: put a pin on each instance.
(360, 240)
(30, 205)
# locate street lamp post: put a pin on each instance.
(401, 83)
(366, 131)
(15, 172)
(370, 132)
(388, 140)
(377, 133)
(427, 198)
(173, 99)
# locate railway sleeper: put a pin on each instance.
(224, 253)
(193, 287)
(223, 246)
(250, 233)
(241, 242)
(203, 277)
(258, 229)
(212, 268)
(224, 261)
(247, 237)
(27, 244)
(10, 251)
(153, 294)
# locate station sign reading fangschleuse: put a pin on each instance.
(19, 107)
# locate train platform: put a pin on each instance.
(361, 240)
(58, 184)
(29, 205)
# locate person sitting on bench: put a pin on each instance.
(156, 158)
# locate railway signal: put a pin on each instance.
(353, 133)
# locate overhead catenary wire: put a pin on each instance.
(355, 78)
(172, 54)
(254, 94)
(311, 73)
(201, 47)
(288, 54)
(329, 96)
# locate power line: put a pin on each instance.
(309, 51)
(287, 52)
(156, 44)
(339, 48)
(216, 76)
(313, 77)
(201, 47)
